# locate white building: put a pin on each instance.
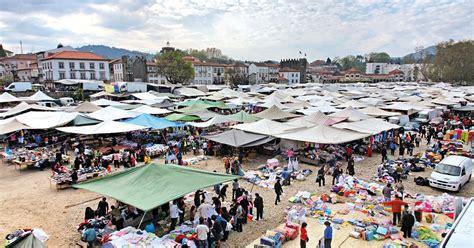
(258, 73)
(385, 68)
(202, 73)
(273, 72)
(117, 70)
(289, 75)
(74, 65)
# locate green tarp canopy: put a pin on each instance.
(181, 117)
(147, 187)
(81, 120)
(209, 104)
(193, 108)
(242, 116)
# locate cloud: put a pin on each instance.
(243, 29)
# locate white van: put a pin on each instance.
(48, 104)
(427, 115)
(66, 101)
(451, 173)
(19, 87)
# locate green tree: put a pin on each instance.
(349, 62)
(454, 62)
(382, 57)
(3, 54)
(174, 68)
(6, 79)
(328, 61)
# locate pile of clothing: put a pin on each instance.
(195, 160)
(278, 236)
(82, 174)
(132, 237)
(154, 150)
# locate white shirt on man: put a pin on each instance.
(204, 210)
(202, 231)
(174, 211)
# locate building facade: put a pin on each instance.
(297, 64)
(258, 73)
(22, 67)
(74, 65)
(289, 75)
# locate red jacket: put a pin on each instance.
(396, 205)
(304, 234)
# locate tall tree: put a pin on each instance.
(349, 62)
(454, 62)
(382, 57)
(174, 68)
(328, 61)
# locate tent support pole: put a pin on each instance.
(143, 217)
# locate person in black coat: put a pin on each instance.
(197, 198)
(278, 191)
(258, 204)
(383, 151)
(245, 205)
(350, 166)
(408, 221)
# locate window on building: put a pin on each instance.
(92, 65)
(83, 75)
(72, 75)
(62, 75)
(81, 65)
(61, 65)
(71, 65)
(92, 75)
(215, 70)
(101, 66)
(102, 75)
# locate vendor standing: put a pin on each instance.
(396, 205)
(102, 207)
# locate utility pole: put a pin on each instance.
(21, 47)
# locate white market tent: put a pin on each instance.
(376, 112)
(190, 92)
(353, 104)
(148, 96)
(39, 96)
(7, 97)
(443, 101)
(12, 125)
(351, 114)
(151, 110)
(110, 113)
(105, 102)
(105, 127)
(85, 107)
(23, 107)
(371, 126)
(45, 120)
(323, 108)
(271, 103)
(211, 122)
(408, 108)
(322, 134)
(266, 127)
(274, 113)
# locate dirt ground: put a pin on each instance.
(28, 201)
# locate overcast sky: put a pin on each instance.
(242, 29)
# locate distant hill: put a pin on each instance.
(417, 55)
(112, 52)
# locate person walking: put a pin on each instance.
(350, 166)
(217, 231)
(335, 174)
(327, 234)
(174, 214)
(278, 191)
(238, 217)
(235, 187)
(387, 192)
(223, 193)
(396, 205)
(303, 235)
(102, 207)
(408, 221)
(401, 150)
(258, 204)
(383, 152)
(320, 176)
(202, 230)
(393, 147)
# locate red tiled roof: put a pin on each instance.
(22, 57)
(352, 71)
(273, 65)
(396, 71)
(75, 55)
(150, 63)
(287, 69)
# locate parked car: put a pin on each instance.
(452, 173)
(66, 101)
